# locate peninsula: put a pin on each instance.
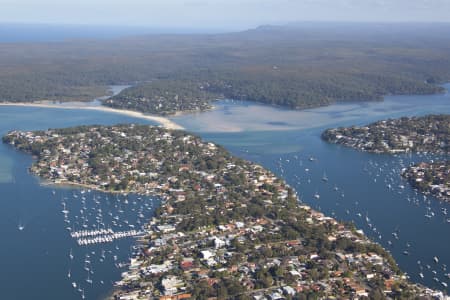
(164, 97)
(430, 178)
(415, 134)
(227, 228)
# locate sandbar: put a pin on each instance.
(165, 122)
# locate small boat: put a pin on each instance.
(317, 196)
(435, 259)
(88, 280)
(405, 252)
(64, 211)
(74, 284)
(421, 275)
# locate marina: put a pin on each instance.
(108, 238)
(106, 227)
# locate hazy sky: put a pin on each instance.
(219, 13)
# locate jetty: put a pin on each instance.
(91, 237)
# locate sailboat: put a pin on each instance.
(88, 280)
(64, 211)
(21, 227)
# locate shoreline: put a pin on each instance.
(93, 187)
(313, 210)
(165, 122)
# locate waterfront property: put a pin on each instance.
(226, 226)
(430, 178)
(416, 134)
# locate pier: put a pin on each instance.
(91, 237)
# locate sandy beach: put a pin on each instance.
(166, 123)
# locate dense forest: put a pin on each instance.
(299, 66)
(288, 89)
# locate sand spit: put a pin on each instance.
(165, 122)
